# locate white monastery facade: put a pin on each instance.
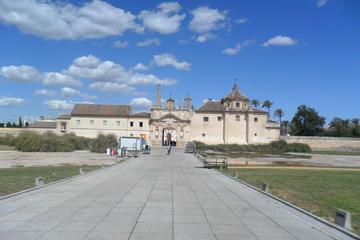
(230, 120)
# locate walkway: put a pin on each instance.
(154, 197)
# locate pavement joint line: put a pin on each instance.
(115, 205)
(61, 180)
(343, 230)
(142, 208)
(68, 201)
(197, 200)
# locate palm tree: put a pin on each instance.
(255, 103)
(279, 113)
(267, 104)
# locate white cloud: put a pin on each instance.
(89, 97)
(321, 3)
(59, 105)
(62, 105)
(112, 87)
(56, 20)
(149, 42)
(167, 59)
(121, 44)
(55, 78)
(164, 20)
(66, 91)
(44, 92)
(10, 101)
(280, 41)
(205, 20)
(146, 79)
(22, 73)
(241, 20)
(140, 67)
(141, 103)
(237, 48)
(90, 67)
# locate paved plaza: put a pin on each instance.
(154, 197)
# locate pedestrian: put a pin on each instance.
(169, 149)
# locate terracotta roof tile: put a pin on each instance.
(101, 110)
(50, 125)
(211, 106)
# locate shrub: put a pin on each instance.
(275, 147)
(298, 147)
(28, 142)
(80, 143)
(8, 140)
(102, 142)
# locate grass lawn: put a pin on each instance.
(336, 153)
(16, 179)
(318, 191)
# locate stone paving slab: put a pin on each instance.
(154, 197)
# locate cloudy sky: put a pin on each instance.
(54, 54)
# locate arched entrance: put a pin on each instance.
(169, 137)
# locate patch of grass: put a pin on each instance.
(318, 191)
(20, 178)
(6, 148)
(337, 153)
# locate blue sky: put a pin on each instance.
(55, 54)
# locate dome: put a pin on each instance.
(170, 100)
(235, 95)
(187, 98)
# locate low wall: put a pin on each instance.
(17, 131)
(326, 143)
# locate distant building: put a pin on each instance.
(230, 120)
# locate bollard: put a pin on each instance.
(265, 187)
(81, 171)
(236, 175)
(343, 218)
(39, 181)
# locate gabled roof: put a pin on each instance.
(211, 106)
(101, 110)
(41, 124)
(64, 116)
(141, 114)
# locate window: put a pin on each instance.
(255, 134)
(91, 122)
(203, 134)
(131, 124)
(78, 122)
(237, 117)
(255, 119)
(141, 124)
(131, 135)
(104, 122)
(206, 119)
(237, 105)
(219, 118)
(118, 123)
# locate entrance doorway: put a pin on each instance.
(169, 137)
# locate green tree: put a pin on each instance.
(267, 104)
(355, 127)
(307, 122)
(279, 113)
(255, 103)
(20, 124)
(339, 128)
(8, 124)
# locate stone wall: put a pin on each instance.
(326, 143)
(17, 131)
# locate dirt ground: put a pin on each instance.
(13, 158)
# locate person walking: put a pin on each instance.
(169, 150)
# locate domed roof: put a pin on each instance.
(235, 95)
(187, 98)
(170, 100)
